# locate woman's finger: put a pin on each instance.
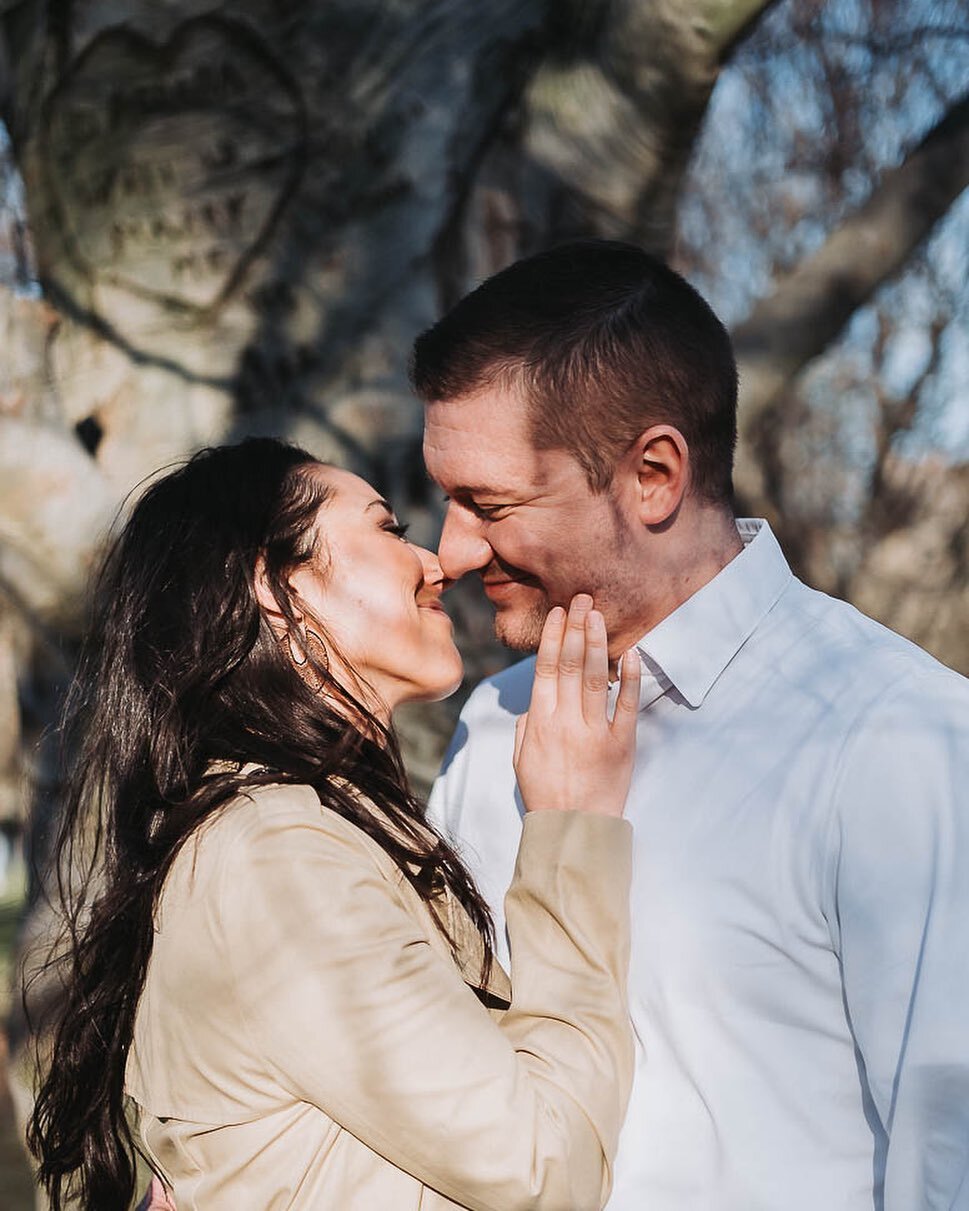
(627, 703)
(545, 685)
(572, 655)
(520, 724)
(595, 669)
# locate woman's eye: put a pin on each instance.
(398, 529)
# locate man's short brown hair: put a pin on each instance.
(603, 341)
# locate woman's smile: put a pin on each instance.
(361, 587)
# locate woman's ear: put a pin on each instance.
(267, 600)
(662, 470)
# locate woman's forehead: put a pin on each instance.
(346, 484)
(349, 492)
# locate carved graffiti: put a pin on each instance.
(169, 165)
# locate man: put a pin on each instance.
(800, 962)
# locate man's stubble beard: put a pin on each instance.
(521, 632)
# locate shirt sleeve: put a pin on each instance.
(358, 1014)
(902, 908)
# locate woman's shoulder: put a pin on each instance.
(278, 822)
(274, 804)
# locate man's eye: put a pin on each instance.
(486, 512)
(489, 512)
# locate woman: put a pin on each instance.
(285, 970)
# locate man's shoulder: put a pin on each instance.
(840, 629)
(861, 655)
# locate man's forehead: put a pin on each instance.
(487, 474)
(489, 414)
(478, 432)
(470, 468)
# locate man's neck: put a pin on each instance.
(687, 560)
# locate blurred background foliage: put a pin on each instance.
(225, 219)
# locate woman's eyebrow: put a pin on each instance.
(380, 503)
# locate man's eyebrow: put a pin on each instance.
(455, 490)
(478, 490)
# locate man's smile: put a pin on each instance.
(498, 588)
(499, 584)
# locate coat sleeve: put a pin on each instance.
(902, 909)
(359, 1015)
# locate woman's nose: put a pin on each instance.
(431, 566)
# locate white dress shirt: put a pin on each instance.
(799, 985)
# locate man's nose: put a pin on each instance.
(463, 547)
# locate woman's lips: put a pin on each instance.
(434, 607)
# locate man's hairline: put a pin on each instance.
(509, 373)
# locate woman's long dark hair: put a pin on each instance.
(181, 683)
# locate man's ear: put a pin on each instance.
(267, 600)
(662, 468)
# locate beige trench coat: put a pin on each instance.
(306, 1039)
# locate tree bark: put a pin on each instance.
(241, 203)
(243, 213)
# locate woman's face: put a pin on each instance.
(377, 597)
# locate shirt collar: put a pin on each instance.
(691, 647)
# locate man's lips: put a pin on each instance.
(499, 587)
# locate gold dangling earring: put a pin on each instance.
(288, 640)
(314, 655)
(316, 649)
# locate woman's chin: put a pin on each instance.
(442, 690)
(446, 690)
(434, 684)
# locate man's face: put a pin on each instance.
(526, 520)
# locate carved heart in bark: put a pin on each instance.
(169, 165)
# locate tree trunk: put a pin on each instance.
(243, 213)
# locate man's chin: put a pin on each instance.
(520, 630)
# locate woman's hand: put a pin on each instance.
(156, 1198)
(568, 755)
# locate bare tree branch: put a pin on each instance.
(811, 305)
(730, 21)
